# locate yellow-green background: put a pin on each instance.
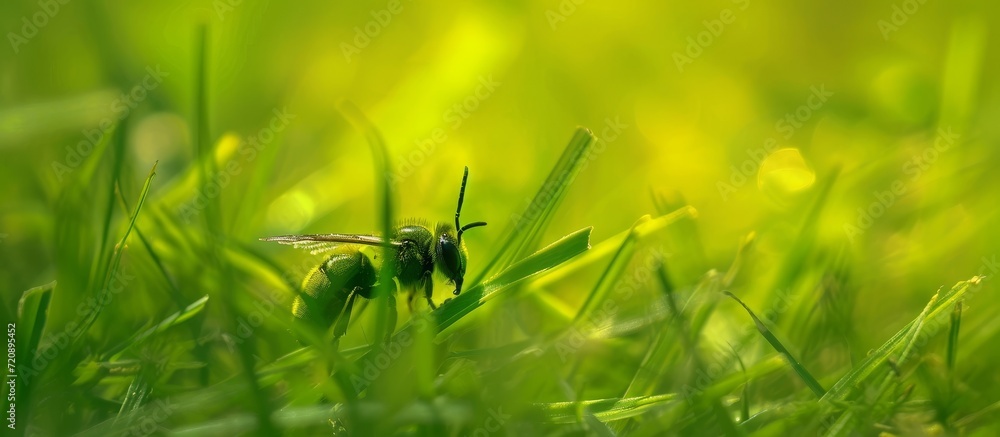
(600, 61)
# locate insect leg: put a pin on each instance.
(428, 285)
(410, 294)
(343, 319)
(391, 325)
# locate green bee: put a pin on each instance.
(330, 289)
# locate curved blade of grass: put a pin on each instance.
(522, 234)
(172, 320)
(116, 257)
(603, 409)
(32, 314)
(798, 367)
(899, 341)
(547, 258)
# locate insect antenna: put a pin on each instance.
(458, 212)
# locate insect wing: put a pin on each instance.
(319, 243)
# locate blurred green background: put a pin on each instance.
(852, 139)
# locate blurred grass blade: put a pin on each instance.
(32, 315)
(956, 322)
(382, 169)
(136, 394)
(523, 233)
(799, 369)
(116, 258)
(204, 149)
(804, 244)
(603, 409)
(597, 428)
(877, 359)
(167, 323)
(25, 121)
(966, 50)
(117, 157)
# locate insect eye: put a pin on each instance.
(450, 258)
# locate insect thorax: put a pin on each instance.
(414, 259)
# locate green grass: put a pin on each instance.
(611, 294)
(440, 374)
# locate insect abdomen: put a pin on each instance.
(326, 289)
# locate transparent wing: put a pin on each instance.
(319, 243)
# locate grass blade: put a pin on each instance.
(642, 228)
(603, 409)
(522, 234)
(545, 259)
(799, 369)
(880, 356)
(120, 134)
(380, 157)
(116, 258)
(137, 392)
(956, 322)
(172, 320)
(32, 314)
(451, 312)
